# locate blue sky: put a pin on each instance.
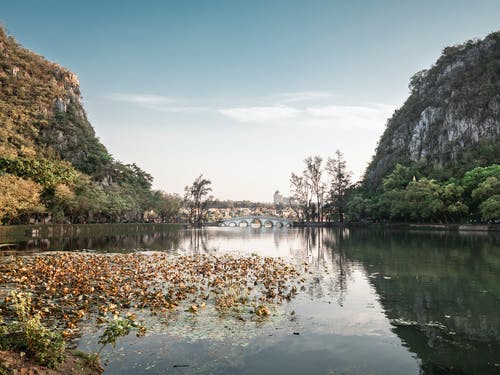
(243, 91)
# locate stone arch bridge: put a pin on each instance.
(262, 221)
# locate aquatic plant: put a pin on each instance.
(70, 287)
(116, 328)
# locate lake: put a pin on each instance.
(374, 301)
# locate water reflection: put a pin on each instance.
(400, 302)
(102, 238)
(442, 293)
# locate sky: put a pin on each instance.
(243, 91)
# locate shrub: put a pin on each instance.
(28, 334)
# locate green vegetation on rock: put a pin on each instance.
(450, 122)
(437, 160)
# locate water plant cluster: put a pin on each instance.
(69, 287)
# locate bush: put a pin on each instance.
(46, 346)
(28, 334)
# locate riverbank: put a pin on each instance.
(437, 227)
(20, 232)
(12, 362)
(407, 226)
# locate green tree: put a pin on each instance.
(120, 206)
(312, 175)
(423, 200)
(301, 197)
(489, 187)
(454, 207)
(62, 203)
(487, 194)
(45, 172)
(394, 206)
(477, 175)
(18, 197)
(89, 203)
(167, 206)
(197, 199)
(490, 208)
(472, 181)
(340, 183)
(399, 178)
(362, 205)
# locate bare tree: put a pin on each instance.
(301, 197)
(340, 181)
(197, 200)
(313, 174)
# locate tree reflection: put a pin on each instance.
(198, 240)
(102, 238)
(324, 252)
(440, 291)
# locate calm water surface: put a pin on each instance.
(375, 302)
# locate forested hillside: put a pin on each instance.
(52, 166)
(450, 123)
(438, 158)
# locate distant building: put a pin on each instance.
(280, 199)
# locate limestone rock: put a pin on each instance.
(452, 113)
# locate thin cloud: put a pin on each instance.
(183, 109)
(157, 103)
(261, 114)
(348, 112)
(330, 116)
(348, 117)
(292, 109)
(141, 99)
(303, 96)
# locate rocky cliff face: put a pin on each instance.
(41, 113)
(451, 120)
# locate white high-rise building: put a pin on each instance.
(278, 198)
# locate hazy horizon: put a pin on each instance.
(242, 92)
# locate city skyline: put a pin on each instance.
(243, 92)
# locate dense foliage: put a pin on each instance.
(406, 196)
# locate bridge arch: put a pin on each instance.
(257, 221)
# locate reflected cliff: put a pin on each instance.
(441, 292)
